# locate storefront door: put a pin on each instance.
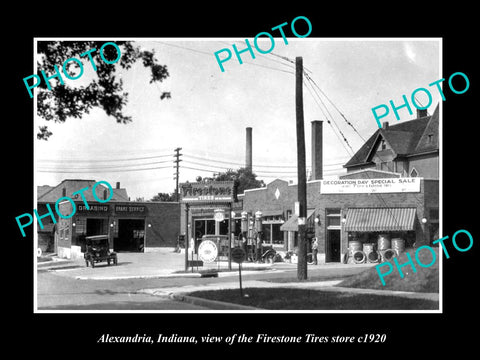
(332, 246)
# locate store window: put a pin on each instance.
(272, 234)
(204, 227)
(210, 226)
(223, 227)
(333, 217)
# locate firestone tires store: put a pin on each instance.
(355, 212)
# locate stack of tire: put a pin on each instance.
(356, 253)
(384, 248)
(371, 253)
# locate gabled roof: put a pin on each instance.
(431, 130)
(406, 139)
(42, 189)
(52, 194)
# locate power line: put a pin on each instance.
(100, 171)
(233, 163)
(185, 48)
(337, 132)
(102, 160)
(114, 166)
(331, 117)
(333, 104)
(211, 54)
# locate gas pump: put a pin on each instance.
(258, 236)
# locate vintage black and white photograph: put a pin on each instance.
(271, 174)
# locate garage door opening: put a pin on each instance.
(96, 226)
(131, 235)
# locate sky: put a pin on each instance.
(209, 110)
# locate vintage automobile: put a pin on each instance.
(97, 249)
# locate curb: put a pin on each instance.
(212, 304)
(165, 275)
(398, 293)
(127, 277)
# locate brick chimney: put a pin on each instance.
(117, 185)
(317, 150)
(421, 113)
(248, 152)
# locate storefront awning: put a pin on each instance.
(380, 219)
(292, 223)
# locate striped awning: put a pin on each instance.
(292, 223)
(380, 219)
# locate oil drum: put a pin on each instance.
(355, 245)
(398, 245)
(383, 242)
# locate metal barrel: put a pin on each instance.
(355, 245)
(398, 245)
(383, 242)
(368, 247)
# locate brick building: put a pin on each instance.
(131, 226)
(391, 189)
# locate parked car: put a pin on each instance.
(97, 250)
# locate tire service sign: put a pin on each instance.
(207, 251)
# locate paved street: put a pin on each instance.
(76, 287)
(57, 292)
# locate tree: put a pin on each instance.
(105, 91)
(246, 179)
(164, 197)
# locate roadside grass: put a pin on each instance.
(423, 280)
(306, 299)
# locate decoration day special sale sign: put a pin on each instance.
(358, 186)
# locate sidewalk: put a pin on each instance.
(161, 264)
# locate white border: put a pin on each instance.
(35, 242)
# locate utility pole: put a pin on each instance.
(301, 169)
(177, 172)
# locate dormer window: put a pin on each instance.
(383, 145)
(429, 138)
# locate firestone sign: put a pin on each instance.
(219, 191)
(362, 186)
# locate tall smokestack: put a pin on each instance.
(248, 153)
(317, 150)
